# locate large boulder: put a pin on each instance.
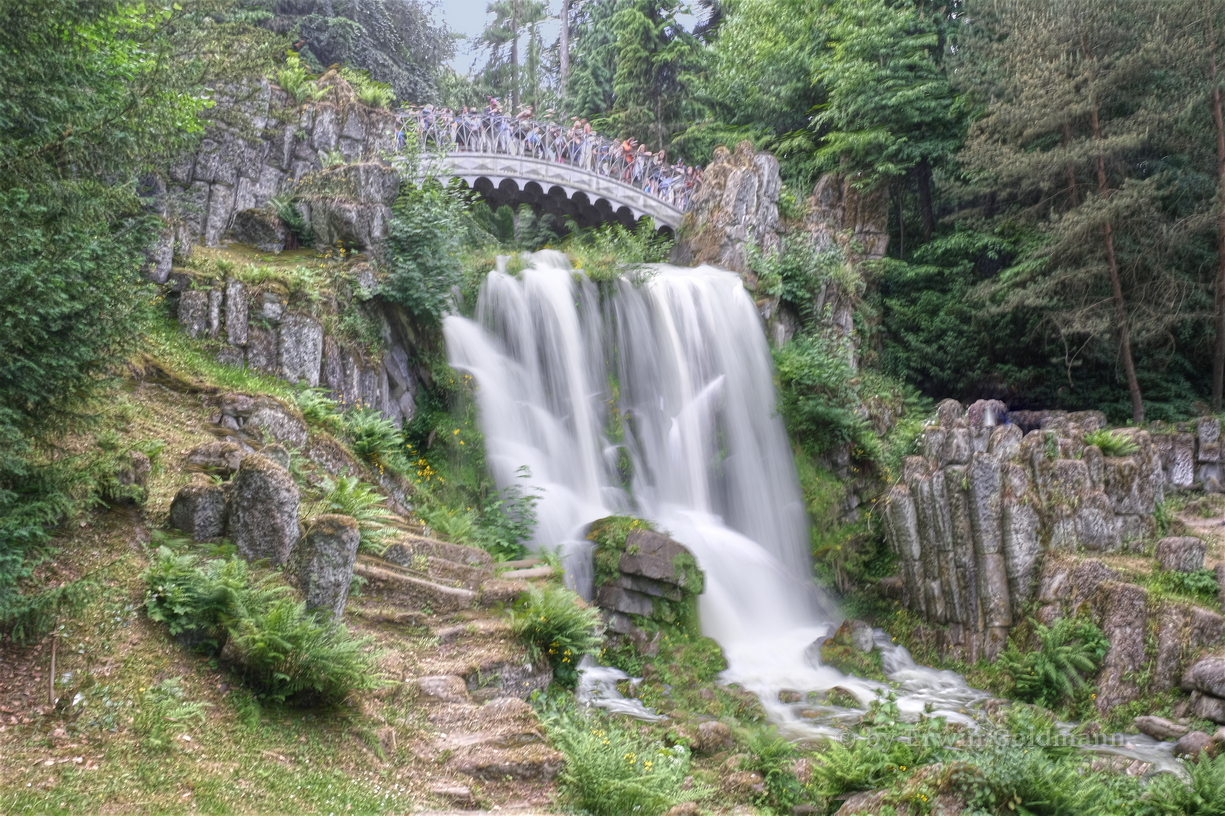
(263, 516)
(1181, 553)
(323, 561)
(199, 511)
(1206, 676)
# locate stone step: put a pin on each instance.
(502, 591)
(524, 562)
(498, 740)
(532, 572)
(407, 546)
(442, 570)
(388, 583)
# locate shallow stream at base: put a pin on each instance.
(672, 375)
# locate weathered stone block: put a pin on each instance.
(1005, 442)
(1208, 430)
(1181, 553)
(261, 349)
(199, 510)
(1129, 487)
(957, 446)
(263, 515)
(985, 493)
(193, 312)
(274, 420)
(301, 349)
(652, 555)
(993, 589)
(1123, 620)
(236, 312)
(1206, 676)
(1208, 452)
(625, 600)
(1182, 460)
(220, 208)
(1208, 707)
(323, 561)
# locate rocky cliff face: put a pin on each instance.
(973, 515)
(737, 207)
(263, 328)
(259, 146)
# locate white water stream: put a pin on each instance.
(676, 375)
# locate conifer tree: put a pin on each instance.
(1064, 128)
(511, 19)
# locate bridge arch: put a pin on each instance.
(563, 173)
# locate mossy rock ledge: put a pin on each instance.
(643, 579)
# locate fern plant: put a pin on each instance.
(1067, 652)
(1115, 443)
(371, 434)
(294, 78)
(611, 771)
(287, 653)
(349, 496)
(557, 625)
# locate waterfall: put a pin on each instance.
(672, 376)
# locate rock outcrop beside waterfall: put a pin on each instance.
(737, 207)
(992, 525)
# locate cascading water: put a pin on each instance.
(673, 376)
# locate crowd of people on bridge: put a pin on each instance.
(494, 131)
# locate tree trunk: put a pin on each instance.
(1116, 285)
(923, 175)
(1218, 362)
(564, 46)
(896, 190)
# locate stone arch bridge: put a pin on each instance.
(558, 171)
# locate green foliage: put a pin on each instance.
(371, 434)
(611, 251)
(879, 755)
(1067, 652)
(283, 651)
(163, 707)
(425, 236)
(773, 758)
(288, 654)
(317, 407)
(369, 92)
(508, 229)
(286, 210)
(349, 496)
(1200, 584)
(1112, 443)
(558, 626)
(609, 535)
(817, 394)
(610, 770)
(395, 42)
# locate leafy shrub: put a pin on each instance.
(371, 434)
(286, 210)
(508, 520)
(349, 496)
(424, 239)
(284, 651)
(556, 624)
(287, 653)
(611, 251)
(1068, 651)
(1112, 443)
(610, 771)
(1201, 584)
(772, 758)
(817, 395)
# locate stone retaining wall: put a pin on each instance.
(973, 515)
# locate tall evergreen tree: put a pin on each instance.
(511, 19)
(890, 111)
(1065, 134)
(593, 53)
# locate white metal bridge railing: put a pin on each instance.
(496, 133)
